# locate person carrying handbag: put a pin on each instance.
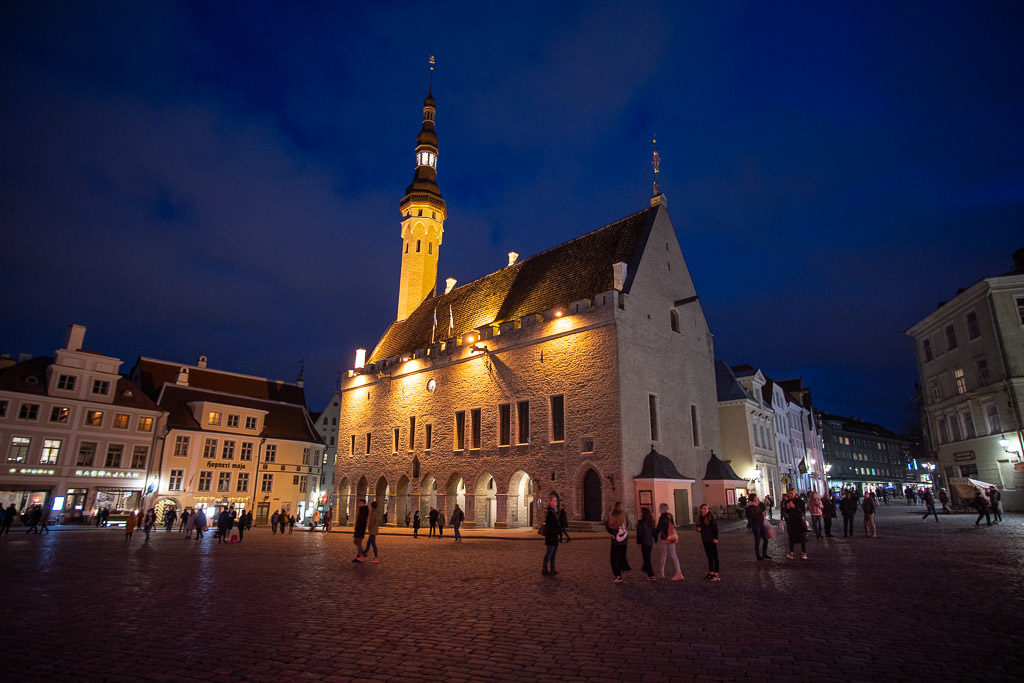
(666, 539)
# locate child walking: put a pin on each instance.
(707, 527)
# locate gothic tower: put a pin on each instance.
(423, 214)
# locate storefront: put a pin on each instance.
(24, 497)
(119, 502)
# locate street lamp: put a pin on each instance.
(1005, 444)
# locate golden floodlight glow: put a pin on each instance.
(360, 358)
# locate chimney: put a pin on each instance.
(1018, 261)
(449, 284)
(512, 256)
(74, 338)
(182, 377)
(201, 361)
(619, 269)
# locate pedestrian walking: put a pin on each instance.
(35, 513)
(170, 515)
(274, 519)
(372, 525)
(282, 521)
(758, 526)
(929, 505)
(416, 524)
(552, 534)
(563, 522)
(316, 520)
(433, 522)
(994, 502)
(817, 510)
(796, 529)
(291, 525)
(362, 516)
(666, 539)
(9, 514)
(456, 522)
(240, 525)
(328, 518)
(981, 507)
(185, 514)
(129, 527)
(224, 523)
(201, 523)
(768, 504)
(868, 507)
(440, 524)
(616, 526)
(707, 527)
(944, 499)
(848, 508)
(190, 524)
(645, 530)
(829, 510)
(148, 522)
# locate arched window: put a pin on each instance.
(674, 319)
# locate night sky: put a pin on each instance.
(224, 178)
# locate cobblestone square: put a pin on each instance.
(923, 601)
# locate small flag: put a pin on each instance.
(802, 467)
(188, 489)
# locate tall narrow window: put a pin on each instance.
(926, 346)
(968, 425)
(114, 453)
(959, 382)
(504, 424)
(695, 427)
(246, 453)
(460, 430)
(429, 436)
(267, 484)
(352, 446)
(558, 418)
(412, 433)
(983, 377)
(417, 246)
(954, 427)
(652, 402)
(271, 453)
(394, 441)
(523, 413)
(368, 442)
(950, 337)
(973, 331)
(474, 431)
(992, 415)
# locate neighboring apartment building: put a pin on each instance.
(327, 426)
(559, 373)
(970, 358)
(231, 440)
(804, 436)
(746, 420)
(78, 436)
(863, 455)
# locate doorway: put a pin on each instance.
(592, 507)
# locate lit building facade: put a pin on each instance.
(863, 455)
(327, 427)
(747, 423)
(78, 436)
(970, 358)
(231, 440)
(558, 373)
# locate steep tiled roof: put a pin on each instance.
(151, 374)
(29, 377)
(725, 381)
(719, 470)
(283, 420)
(657, 466)
(857, 426)
(577, 269)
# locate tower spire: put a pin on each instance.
(657, 197)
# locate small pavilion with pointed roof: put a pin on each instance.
(722, 486)
(660, 482)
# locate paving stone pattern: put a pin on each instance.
(923, 601)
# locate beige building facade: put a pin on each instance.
(970, 358)
(747, 423)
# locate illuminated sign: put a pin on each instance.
(106, 473)
(25, 470)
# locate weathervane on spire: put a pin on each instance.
(655, 163)
(430, 60)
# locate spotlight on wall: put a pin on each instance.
(475, 348)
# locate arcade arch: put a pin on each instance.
(520, 500)
(341, 515)
(455, 493)
(486, 500)
(402, 507)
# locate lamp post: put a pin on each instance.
(1005, 444)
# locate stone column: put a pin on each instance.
(440, 505)
(392, 510)
(414, 505)
(502, 517)
(470, 510)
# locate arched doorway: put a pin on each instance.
(592, 504)
(402, 510)
(520, 500)
(344, 508)
(381, 496)
(165, 505)
(456, 494)
(362, 489)
(486, 501)
(428, 495)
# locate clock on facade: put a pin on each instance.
(431, 385)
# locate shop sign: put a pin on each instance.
(232, 465)
(963, 456)
(28, 470)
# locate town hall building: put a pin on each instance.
(586, 370)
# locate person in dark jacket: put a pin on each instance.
(707, 527)
(981, 507)
(756, 522)
(552, 536)
(848, 508)
(867, 506)
(170, 515)
(416, 525)
(993, 500)
(440, 524)
(829, 505)
(617, 527)
(456, 521)
(273, 521)
(645, 539)
(359, 532)
(929, 506)
(563, 522)
(224, 524)
(433, 522)
(796, 529)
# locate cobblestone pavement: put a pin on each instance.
(922, 601)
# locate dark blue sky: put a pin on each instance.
(224, 178)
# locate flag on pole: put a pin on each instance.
(188, 489)
(451, 321)
(433, 330)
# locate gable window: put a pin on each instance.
(19, 448)
(120, 421)
(523, 413)
(210, 448)
(652, 404)
(250, 423)
(181, 446)
(29, 411)
(504, 424)
(460, 430)
(232, 420)
(100, 386)
(558, 418)
(114, 453)
(213, 418)
(66, 382)
(51, 451)
(145, 424)
(950, 337)
(695, 428)
(228, 452)
(926, 345)
(86, 454)
(973, 331)
(271, 454)
(60, 414)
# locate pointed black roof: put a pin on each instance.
(719, 470)
(657, 466)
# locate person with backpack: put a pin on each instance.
(617, 527)
(645, 530)
(707, 527)
(756, 523)
(666, 538)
